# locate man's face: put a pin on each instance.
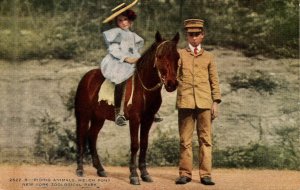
(123, 22)
(195, 38)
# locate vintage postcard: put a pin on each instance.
(160, 94)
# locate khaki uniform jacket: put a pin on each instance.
(198, 80)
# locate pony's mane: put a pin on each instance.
(147, 56)
(166, 49)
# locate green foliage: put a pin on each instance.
(253, 155)
(72, 28)
(290, 143)
(70, 100)
(119, 159)
(258, 80)
(19, 43)
(54, 142)
(283, 155)
(70, 38)
(256, 27)
(61, 37)
(164, 150)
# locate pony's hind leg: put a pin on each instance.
(81, 133)
(96, 125)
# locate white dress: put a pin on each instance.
(121, 44)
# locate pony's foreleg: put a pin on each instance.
(81, 133)
(96, 125)
(144, 134)
(134, 129)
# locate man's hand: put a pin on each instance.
(214, 111)
(130, 60)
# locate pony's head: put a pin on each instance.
(166, 61)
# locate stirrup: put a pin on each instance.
(157, 118)
(120, 120)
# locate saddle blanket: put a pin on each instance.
(106, 92)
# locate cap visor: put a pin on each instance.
(194, 30)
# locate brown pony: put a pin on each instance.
(157, 67)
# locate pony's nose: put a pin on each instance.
(171, 85)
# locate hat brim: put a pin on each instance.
(194, 29)
(111, 17)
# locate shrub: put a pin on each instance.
(284, 154)
(256, 155)
(257, 80)
(70, 100)
(252, 156)
(289, 144)
(54, 142)
(164, 150)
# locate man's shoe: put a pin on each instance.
(183, 180)
(207, 181)
(120, 120)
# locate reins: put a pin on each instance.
(160, 84)
(157, 86)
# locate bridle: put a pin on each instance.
(162, 79)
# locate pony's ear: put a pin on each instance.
(176, 38)
(158, 37)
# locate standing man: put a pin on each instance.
(198, 96)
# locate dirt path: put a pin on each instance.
(45, 177)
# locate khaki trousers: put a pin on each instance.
(187, 120)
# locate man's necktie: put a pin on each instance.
(195, 51)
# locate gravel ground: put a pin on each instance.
(50, 177)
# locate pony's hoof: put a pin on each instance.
(101, 173)
(79, 172)
(147, 178)
(134, 181)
